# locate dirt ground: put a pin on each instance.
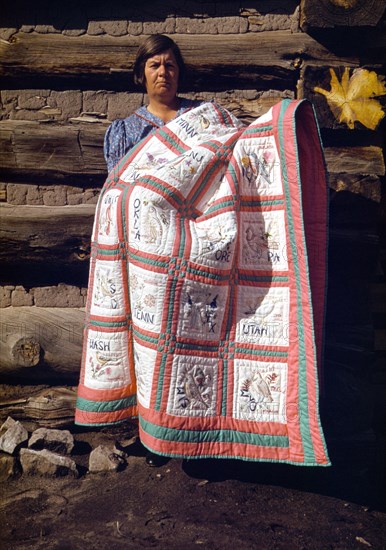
(214, 504)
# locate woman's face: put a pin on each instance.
(161, 75)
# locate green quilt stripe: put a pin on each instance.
(149, 261)
(254, 130)
(145, 338)
(232, 173)
(160, 382)
(261, 202)
(171, 305)
(196, 347)
(225, 118)
(108, 324)
(123, 214)
(207, 274)
(224, 395)
(106, 406)
(213, 436)
(219, 206)
(181, 248)
(302, 359)
(263, 278)
(103, 252)
(260, 352)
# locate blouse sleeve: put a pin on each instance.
(116, 143)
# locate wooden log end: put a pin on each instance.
(340, 13)
(26, 352)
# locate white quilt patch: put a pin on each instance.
(260, 390)
(107, 360)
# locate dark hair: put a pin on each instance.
(154, 45)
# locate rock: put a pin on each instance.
(119, 452)
(14, 435)
(58, 296)
(56, 196)
(16, 193)
(124, 444)
(21, 297)
(105, 459)
(7, 424)
(58, 441)
(47, 464)
(9, 467)
(32, 99)
(5, 296)
(7, 33)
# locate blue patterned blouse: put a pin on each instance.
(124, 133)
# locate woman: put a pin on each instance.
(159, 68)
(211, 347)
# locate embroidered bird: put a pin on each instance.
(259, 389)
(192, 390)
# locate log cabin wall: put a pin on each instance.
(66, 72)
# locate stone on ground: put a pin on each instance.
(57, 441)
(14, 434)
(104, 459)
(46, 463)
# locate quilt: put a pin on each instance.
(207, 289)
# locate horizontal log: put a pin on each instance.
(368, 187)
(39, 406)
(41, 344)
(53, 242)
(366, 161)
(214, 61)
(32, 150)
(338, 13)
(37, 150)
(46, 235)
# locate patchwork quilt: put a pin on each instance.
(207, 289)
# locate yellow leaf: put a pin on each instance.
(352, 99)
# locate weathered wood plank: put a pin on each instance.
(368, 187)
(57, 151)
(214, 61)
(41, 344)
(63, 150)
(40, 234)
(338, 13)
(355, 160)
(40, 407)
